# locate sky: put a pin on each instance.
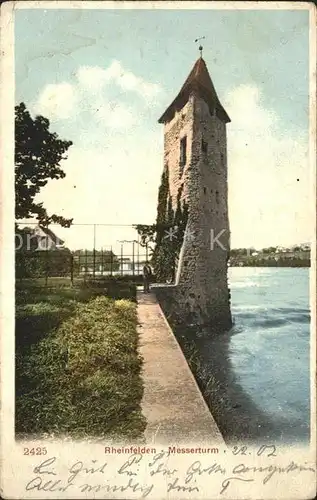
(104, 77)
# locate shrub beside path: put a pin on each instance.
(172, 403)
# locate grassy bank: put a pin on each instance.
(77, 366)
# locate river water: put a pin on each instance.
(269, 345)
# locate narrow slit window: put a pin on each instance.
(204, 147)
(183, 147)
(217, 196)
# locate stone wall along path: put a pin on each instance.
(172, 403)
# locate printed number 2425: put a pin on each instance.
(34, 451)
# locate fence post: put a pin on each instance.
(111, 260)
(132, 258)
(46, 266)
(85, 265)
(72, 269)
(121, 259)
(94, 254)
(138, 257)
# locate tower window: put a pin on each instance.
(217, 196)
(204, 146)
(183, 146)
(222, 158)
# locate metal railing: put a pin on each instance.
(77, 253)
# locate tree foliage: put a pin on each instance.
(165, 238)
(38, 154)
(147, 235)
(30, 262)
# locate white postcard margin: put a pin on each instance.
(262, 474)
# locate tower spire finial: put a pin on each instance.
(200, 48)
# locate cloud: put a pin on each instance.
(94, 77)
(245, 101)
(92, 93)
(115, 115)
(113, 168)
(114, 186)
(116, 166)
(57, 101)
(268, 174)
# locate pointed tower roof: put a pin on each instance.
(198, 80)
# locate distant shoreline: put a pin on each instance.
(288, 265)
(263, 258)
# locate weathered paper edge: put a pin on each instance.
(7, 184)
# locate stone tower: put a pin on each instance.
(195, 154)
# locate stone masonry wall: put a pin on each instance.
(201, 294)
(175, 130)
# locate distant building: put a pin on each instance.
(125, 264)
(126, 267)
(46, 239)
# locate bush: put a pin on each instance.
(114, 288)
(41, 263)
